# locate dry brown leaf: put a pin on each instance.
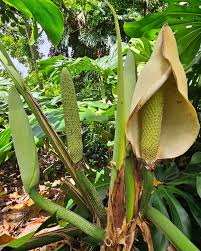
(5, 238)
(118, 200)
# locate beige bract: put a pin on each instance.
(169, 131)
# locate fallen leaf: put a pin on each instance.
(5, 238)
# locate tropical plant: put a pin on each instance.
(154, 121)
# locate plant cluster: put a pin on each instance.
(123, 125)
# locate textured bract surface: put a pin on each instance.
(180, 126)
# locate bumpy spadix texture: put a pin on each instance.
(179, 125)
(152, 114)
(71, 117)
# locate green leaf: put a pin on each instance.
(179, 215)
(184, 19)
(5, 144)
(24, 239)
(45, 12)
(196, 159)
(158, 203)
(195, 163)
(167, 173)
(187, 179)
(4, 138)
(142, 49)
(23, 141)
(19, 5)
(198, 184)
(195, 206)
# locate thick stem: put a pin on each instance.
(173, 234)
(67, 215)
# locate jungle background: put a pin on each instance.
(88, 48)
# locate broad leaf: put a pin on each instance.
(183, 17)
(195, 163)
(45, 12)
(142, 48)
(179, 215)
(167, 172)
(19, 5)
(195, 206)
(198, 184)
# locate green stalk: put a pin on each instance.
(173, 234)
(119, 139)
(67, 215)
(130, 187)
(148, 186)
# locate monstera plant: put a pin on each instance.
(154, 121)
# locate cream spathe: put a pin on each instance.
(179, 125)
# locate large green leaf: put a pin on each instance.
(179, 215)
(184, 18)
(195, 206)
(23, 141)
(19, 5)
(45, 12)
(198, 184)
(52, 67)
(194, 165)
